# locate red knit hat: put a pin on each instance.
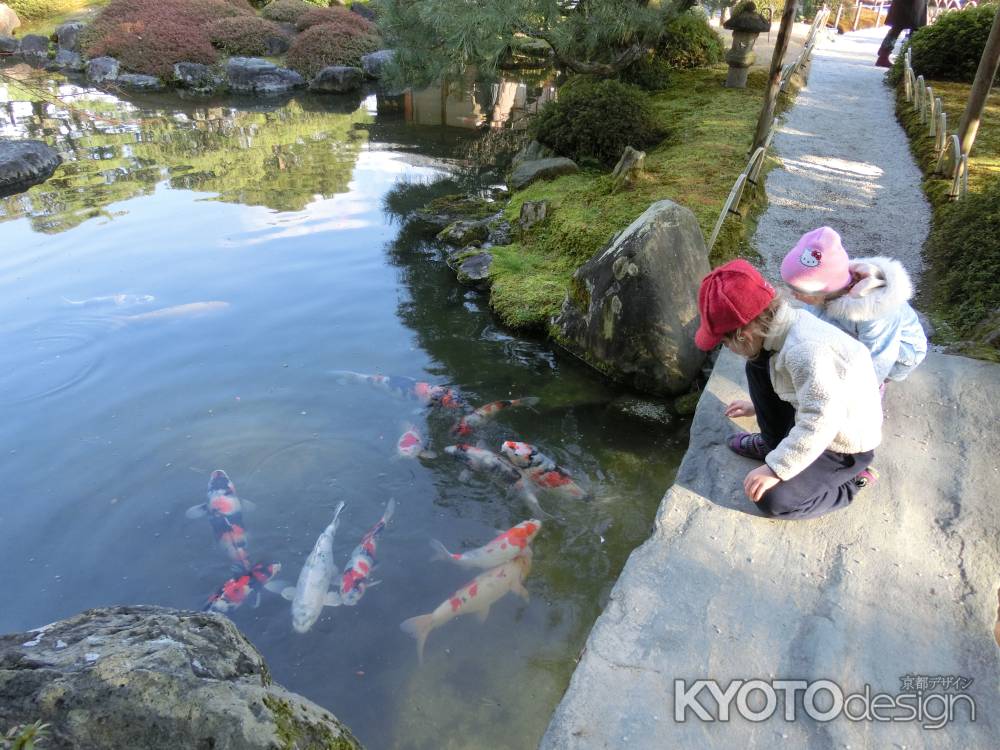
(730, 297)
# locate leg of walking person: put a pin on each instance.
(827, 484)
(888, 44)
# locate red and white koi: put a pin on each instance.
(225, 513)
(312, 592)
(465, 426)
(354, 582)
(486, 461)
(234, 592)
(426, 393)
(476, 597)
(503, 548)
(412, 444)
(541, 470)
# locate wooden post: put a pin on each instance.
(774, 85)
(985, 74)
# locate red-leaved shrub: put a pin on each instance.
(149, 36)
(337, 15)
(329, 44)
(243, 35)
(286, 11)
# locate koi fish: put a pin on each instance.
(425, 393)
(225, 513)
(354, 582)
(121, 300)
(177, 311)
(486, 461)
(476, 597)
(503, 548)
(312, 592)
(412, 444)
(541, 470)
(469, 422)
(238, 589)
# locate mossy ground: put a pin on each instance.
(713, 127)
(946, 309)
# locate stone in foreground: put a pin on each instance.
(102, 69)
(68, 36)
(25, 163)
(197, 78)
(157, 679)
(8, 20)
(528, 172)
(632, 309)
(253, 75)
(337, 79)
(139, 82)
(374, 64)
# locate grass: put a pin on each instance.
(44, 18)
(697, 169)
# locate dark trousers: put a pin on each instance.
(890, 40)
(826, 484)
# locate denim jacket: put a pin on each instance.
(875, 311)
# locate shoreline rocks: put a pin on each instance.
(254, 75)
(8, 20)
(529, 171)
(25, 163)
(154, 678)
(337, 79)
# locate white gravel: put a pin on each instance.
(846, 162)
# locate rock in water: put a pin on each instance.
(68, 36)
(154, 678)
(101, 69)
(527, 172)
(9, 45)
(139, 82)
(25, 163)
(337, 79)
(34, 49)
(374, 64)
(632, 309)
(198, 78)
(8, 20)
(253, 75)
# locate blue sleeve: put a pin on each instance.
(881, 337)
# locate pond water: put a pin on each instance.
(113, 422)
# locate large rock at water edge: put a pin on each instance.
(34, 49)
(139, 82)
(8, 20)
(69, 61)
(25, 163)
(157, 679)
(337, 79)
(9, 45)
(374, 63)
(253, 75)
(533, 151)
(632, 309)
(68, 36)
(527, 172)
(102, 69)
(198, 78)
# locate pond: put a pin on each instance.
(284, 217)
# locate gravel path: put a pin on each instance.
(846, 162)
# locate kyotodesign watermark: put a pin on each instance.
(933, 702)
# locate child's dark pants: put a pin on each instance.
(826, 484)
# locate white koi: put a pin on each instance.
(312, 592)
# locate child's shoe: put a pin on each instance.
(866, 478)
(748, 445)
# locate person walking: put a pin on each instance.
(903, 15)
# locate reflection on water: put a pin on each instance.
(473, 105)
(285, 212)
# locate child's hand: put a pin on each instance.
(740, 408)
(759, 481)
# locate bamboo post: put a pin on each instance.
(987, 71)
(771, 95)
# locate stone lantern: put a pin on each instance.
(746, 24)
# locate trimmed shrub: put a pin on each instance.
(650, 72)
(963, 253)
(596, 120)
(949, 49)
(286, 11)
(342, 16)
(689, 42)
(329, 44)
(149, 36)
(243, 35)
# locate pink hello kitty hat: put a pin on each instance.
(818, 264)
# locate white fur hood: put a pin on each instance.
(881, 285)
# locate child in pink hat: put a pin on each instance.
(867, 299)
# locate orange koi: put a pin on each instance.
(470, 422)
(501, 549)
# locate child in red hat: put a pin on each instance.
(812, 389)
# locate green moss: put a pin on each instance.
(295, 733)
(530, 278)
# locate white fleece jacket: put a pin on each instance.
(876, 312)
(829, 378)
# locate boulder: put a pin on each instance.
(500, 233)
(8, 20)
(374, 64)
(532, 152)
(464, 233)
(532, 212)
(154, 678)
(629, 168)
(68, 36)
(198, 78)
(34, 48)
(473, 269)
(448, 209)
(632, 309)
(69, 61)
(254, 75)
(9, 45)
(102, 69)
(23, 164)
(140, 82)
(337, 79)
(527, 172)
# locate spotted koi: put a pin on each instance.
(355, 581)
(234, 592)
(503, 548)
(467, 424)
(224, 510)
